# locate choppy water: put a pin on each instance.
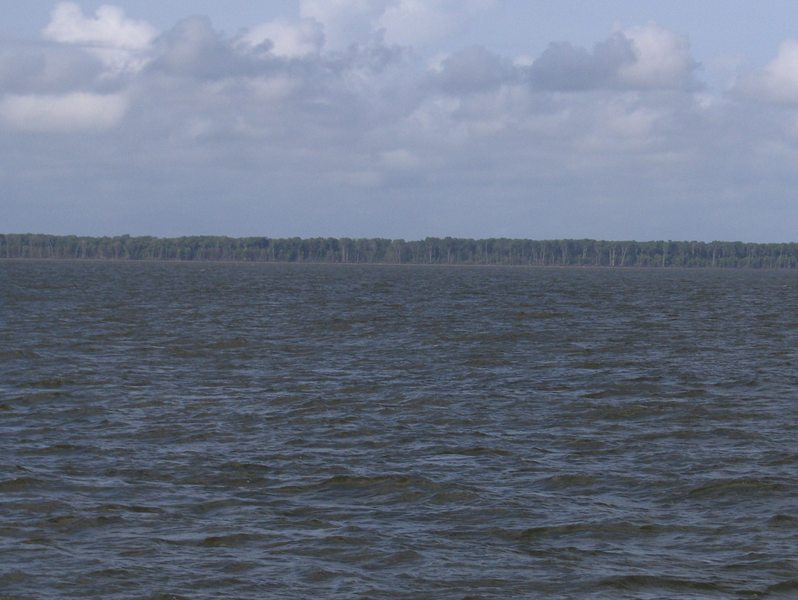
(262, 431)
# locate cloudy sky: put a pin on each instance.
(620, 119)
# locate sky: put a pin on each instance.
(617, 120)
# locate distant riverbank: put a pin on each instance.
(433, 251)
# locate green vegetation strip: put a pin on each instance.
(453, 251)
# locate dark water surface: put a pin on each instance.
(262, 431)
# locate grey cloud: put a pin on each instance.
(193, 48)
(473, 69)
(564, 67)
(645, 58)
(375, 57)
(223, 137)
(231, 94)
(349, 92)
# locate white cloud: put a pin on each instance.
(412, 22)
(272, 89)
(345, 21)
(118, 41)
(400, 160)
(27, 68)
(778, 81)
(401, 22)
(109, 27)
(661, 58)
(619, 125)
(292, 39)
(633, 124)
(420, 22)
(490, 141)
(63, 113)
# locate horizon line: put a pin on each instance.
(395, 239)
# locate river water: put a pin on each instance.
(295, 431)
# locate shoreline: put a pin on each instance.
(390, 264)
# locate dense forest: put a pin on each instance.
(493, 251)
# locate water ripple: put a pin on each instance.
(180, 431)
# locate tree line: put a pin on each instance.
(437, 251)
